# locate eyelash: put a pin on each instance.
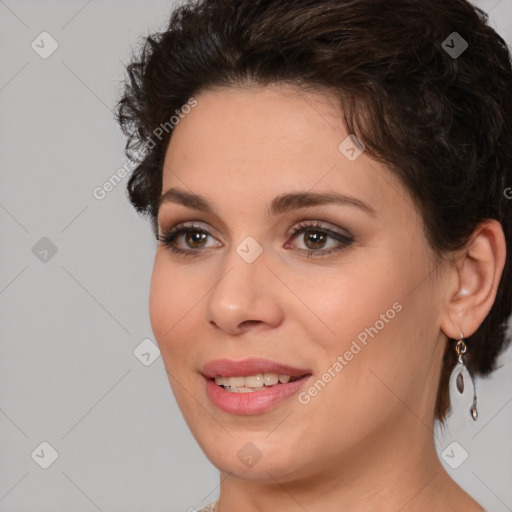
(168, 238)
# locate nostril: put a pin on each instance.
(248, 323)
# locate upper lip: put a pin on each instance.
(251, 366)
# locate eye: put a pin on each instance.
(320, 240)
(186, 239)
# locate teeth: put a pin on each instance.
(221, 381)
(254, 381)
(236, 382)
(270, 379)
(241, 390)
(251, 382)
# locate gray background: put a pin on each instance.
(70, 323)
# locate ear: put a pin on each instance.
(474, 280)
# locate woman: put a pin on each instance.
(328, 183)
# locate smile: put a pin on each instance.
(251, 386)
(252, 382)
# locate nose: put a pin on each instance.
(245, 296)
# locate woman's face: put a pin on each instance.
(281, 270)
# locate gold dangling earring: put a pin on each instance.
(462, 386)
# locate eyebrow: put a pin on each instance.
(280, 204)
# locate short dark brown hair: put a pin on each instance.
(441, 122)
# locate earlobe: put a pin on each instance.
(479, 268)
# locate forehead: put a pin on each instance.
(269, 140)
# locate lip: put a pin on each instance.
(254, 402)
(251, 366)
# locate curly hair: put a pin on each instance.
(441, 122)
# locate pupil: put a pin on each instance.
(317, 239)
(195, 237)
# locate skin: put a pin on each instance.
(366, 439)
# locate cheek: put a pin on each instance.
(171, 302)
(161, 302)
(353, 303)
(366, 313)
(376, 349)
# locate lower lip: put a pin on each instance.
(253, 402)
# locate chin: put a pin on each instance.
(253, 456)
